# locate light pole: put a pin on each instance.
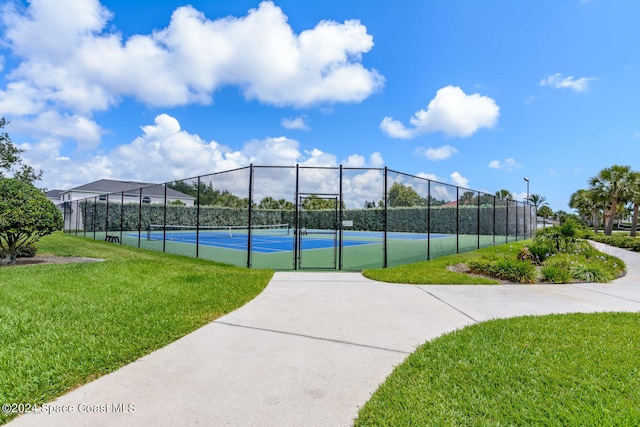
(528, 203)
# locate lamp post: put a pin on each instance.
(528, 203)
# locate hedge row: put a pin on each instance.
(441, 219)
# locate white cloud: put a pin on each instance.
(395, 129)
(435, 154)
(83, 130)
(165, 152)
(520, 196)
(509, 164)
(430, 176)
(73, 62)
(376, 160)
(298, 123)
(358, 161)
(557, 81)
(452, 112)
(459, 180)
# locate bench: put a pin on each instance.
(112, 238)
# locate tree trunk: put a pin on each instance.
(595, 215)
(634, 221)
(608, 224)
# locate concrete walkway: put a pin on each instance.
(310, 350)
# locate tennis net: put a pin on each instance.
(189, 232)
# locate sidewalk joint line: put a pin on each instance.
(605, 293)
(443, 301)
(313, 337)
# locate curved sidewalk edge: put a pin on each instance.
(310, 350)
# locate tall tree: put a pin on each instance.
(273, 204)
(317, 203)
(25, 216)
(545, 212)
(537, 200)
(11, 165)
(589, 204)
(635, 200)
(468, 198)
(404, 196)
(612, 183)
(504, 194)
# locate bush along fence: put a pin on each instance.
(293, 218)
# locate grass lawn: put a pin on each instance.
(557, 370)
(63, 325)
(435, 271)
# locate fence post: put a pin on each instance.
(494, 220)
(457, 220)
(296, 220)
(95, 215)
(339, 225)
(198, 220)
(249, 215)
(164, 221)
(386, 223)
(106, 218)
(140, 217)
(121, 214)
(478, 229)
(506, 239)
(428, 220)
(516, 220)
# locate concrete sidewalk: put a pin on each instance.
(310, 350)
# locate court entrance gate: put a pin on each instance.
(311, 251)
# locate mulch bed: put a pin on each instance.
(49, 259)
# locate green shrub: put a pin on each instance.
(585, 233)
(24, 252)
(591, 272)
(509, 269)
(619, 241)
(635, 245)
(563, 237)
(540, 251)
(555, 274)
(26, 215)
(27, 251)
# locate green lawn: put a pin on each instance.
(64, 325)
(435, 271)
(557, 370)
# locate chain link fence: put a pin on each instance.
(303, 218)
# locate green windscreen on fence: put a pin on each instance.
(303, 218)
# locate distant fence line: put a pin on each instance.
(339, 218)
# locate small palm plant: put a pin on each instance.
(564, 237)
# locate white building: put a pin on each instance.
(126, 192)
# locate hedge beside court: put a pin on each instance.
(441, 219)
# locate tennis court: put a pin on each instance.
(325, 218)
(279, 246)
(264, 239)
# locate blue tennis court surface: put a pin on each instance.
(267, 243)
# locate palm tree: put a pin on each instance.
(537, 200)
(588, 203)
(613, 184)
(504, 194)
(635, 199)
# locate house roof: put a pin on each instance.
(54, 194)
(109, 186)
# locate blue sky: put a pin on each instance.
(478, 94)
